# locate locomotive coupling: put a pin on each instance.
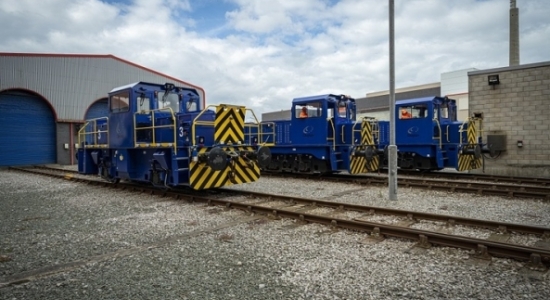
(368, 152)
(262, 156)
(474, 150)
(218, 159)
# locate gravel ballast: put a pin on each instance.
(123, 245)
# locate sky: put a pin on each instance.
(262, 54)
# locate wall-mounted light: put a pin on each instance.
(520, 144)
(493, 79)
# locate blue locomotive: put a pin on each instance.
(161, 134)
(323, 136)
(429, 137)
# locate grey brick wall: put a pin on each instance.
(518, 107)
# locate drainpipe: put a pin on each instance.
(71, 142)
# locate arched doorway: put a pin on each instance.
(27, 125)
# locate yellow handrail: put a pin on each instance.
(154, 126)
(83, 133)
(259, 130)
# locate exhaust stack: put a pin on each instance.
(514, 34)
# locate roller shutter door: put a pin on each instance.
(27, 133)
(98, 109)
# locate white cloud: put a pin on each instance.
(273, 51)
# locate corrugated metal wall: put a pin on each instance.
(72, 83)
(98, 109)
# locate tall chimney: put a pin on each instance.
(514, 34)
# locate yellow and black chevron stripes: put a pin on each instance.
(360, 164)
(472, 132)
(366, 133)
(229, 124)
(469, 161)
(201, 176)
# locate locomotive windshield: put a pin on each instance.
(120, 102)
(143, 104)
(413, 112)
(342, 109)
(309, 110)
(168, 100)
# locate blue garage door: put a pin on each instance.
(27, 130)
(98, 109)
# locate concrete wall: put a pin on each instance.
(519, 108)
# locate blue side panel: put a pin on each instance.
(97, 110)
(28, 130)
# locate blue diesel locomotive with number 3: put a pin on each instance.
(161, 134)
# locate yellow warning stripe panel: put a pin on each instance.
(229, 124)
(240, 171)
(203, 177)
(468, 161)
(472, 132)
(360, 164)
(366, 133)
(357, 165)
(244, 171)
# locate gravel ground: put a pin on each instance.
(128, 246)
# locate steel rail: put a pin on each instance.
(480, 188)
(537, 257)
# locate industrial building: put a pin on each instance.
(45, 98)
(515, 102)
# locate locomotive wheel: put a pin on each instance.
(217, 159)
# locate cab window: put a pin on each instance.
(168, 101)
(413, 112)
(143, 104)
(308, 110)
(120, 102)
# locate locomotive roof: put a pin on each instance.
(131, 85)
(328, 97)
(420, 100)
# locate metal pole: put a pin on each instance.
(392, 149)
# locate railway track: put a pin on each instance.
(477, 177)
(356, 217)
(463, 186)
